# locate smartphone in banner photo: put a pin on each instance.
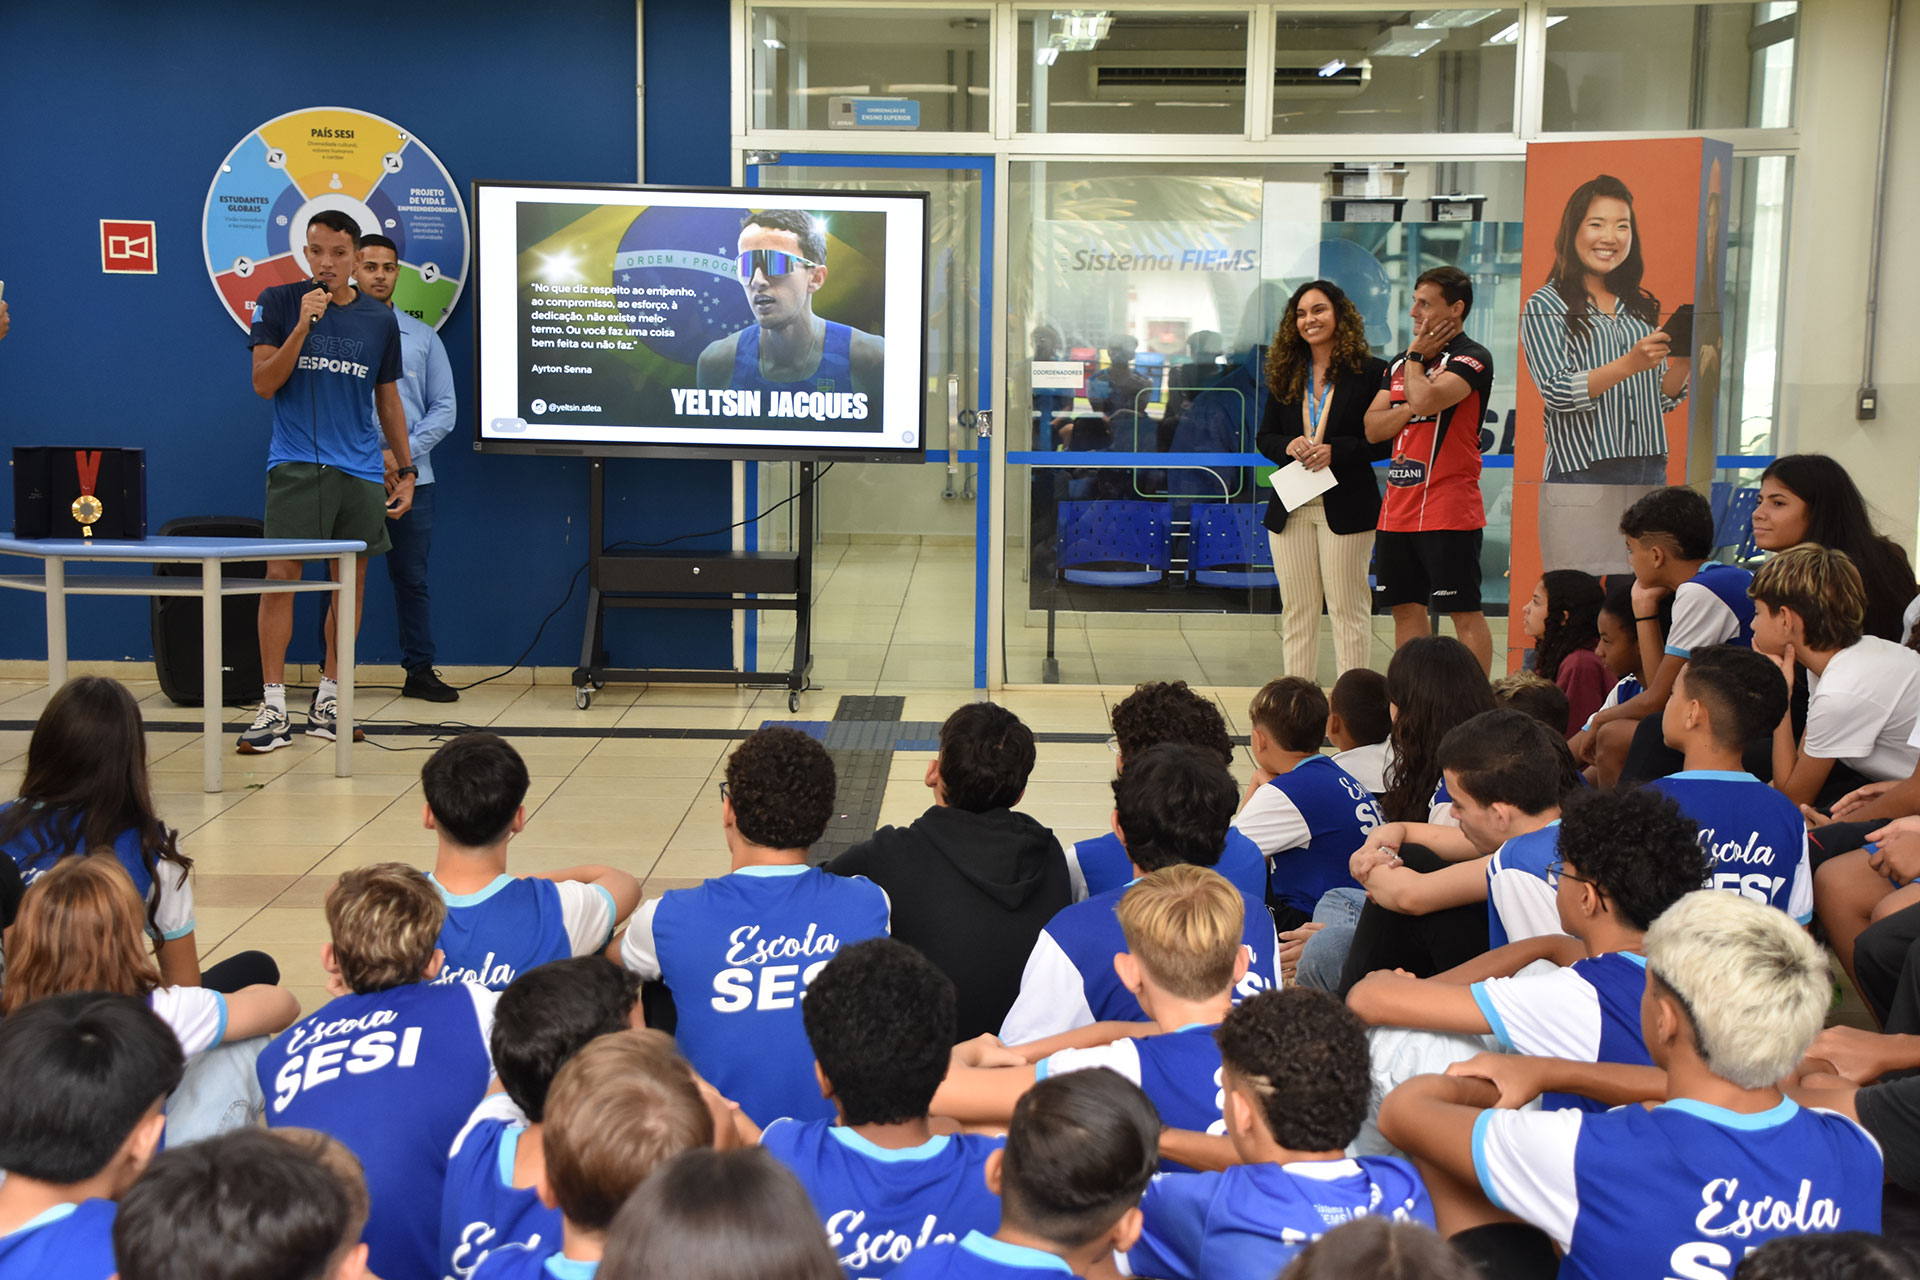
(1679, 330)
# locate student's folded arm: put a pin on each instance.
(1431, 1118)
(1087, 1037)
(981, 1095)
(1826, 1093)
(1650, 700)
(259, 1010)
(1384, 419)
(1804, 775)
(1419, 893)
(1504, 962)
(1449, 844)
(179, 960)
(1207, 1152)
(1395, 1000)
(1518, 1080)
(621, 885)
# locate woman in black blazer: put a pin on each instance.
(1322, 379)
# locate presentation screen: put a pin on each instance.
(669, 321)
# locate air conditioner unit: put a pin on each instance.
(1209, 75)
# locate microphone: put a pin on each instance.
(318, 283)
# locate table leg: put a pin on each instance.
(343, 650)
(56, 622)
(212, 676)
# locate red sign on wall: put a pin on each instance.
(127, 248)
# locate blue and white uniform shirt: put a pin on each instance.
(394, 1075)
(880, 1206)
(1586, 1012)
(1627, 689)
(1520, 902)
(1757, 837)
(40, 845)
(1099, 864)
(1070, 981)
(978, 1256)
(1252, 1219)
(1308, 822)
(738, 952)
(67, 1242)
(534, 1262)
(513, 925)
(1684, 1190)
(482, 1210)
(1712, 607)
(196, 1016)
(1179, 1071)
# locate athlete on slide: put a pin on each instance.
(782, 262)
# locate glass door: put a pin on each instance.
(900, 561)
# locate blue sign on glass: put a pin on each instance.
(874, 113)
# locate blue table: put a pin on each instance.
(209, 554)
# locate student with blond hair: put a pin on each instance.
(394, 1064)
(1735, 994)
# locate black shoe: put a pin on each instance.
(428, 685)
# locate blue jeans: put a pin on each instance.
(1326, 951)
(220, 1091)
(412, 535)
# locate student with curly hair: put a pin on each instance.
(738, 951)
(1563, 618)
(1294, 1071)
(1322, 378)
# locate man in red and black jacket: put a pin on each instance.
(1430, 405)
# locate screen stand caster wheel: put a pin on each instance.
(793, 700)
(583, 697)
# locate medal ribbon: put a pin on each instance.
(87, 465)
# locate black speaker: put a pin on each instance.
(46, 481)
(176, 620)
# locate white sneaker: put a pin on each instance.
(323, 720)
(271, 730)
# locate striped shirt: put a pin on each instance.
(1629, 418)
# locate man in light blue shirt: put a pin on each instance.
(426, 392)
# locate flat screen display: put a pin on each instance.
(623, 320)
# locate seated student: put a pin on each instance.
(1359, 722)
(81, 927)
(971, 882)
(1843, 1255)
(1306, 813)
(738, 951)
(1182, 927)
(1508, 774)
(241, 1206)
(1172, 807)
(86, 1075)
(493, 1172)
(1542, 699)
(1735, 992)
(718, 1215)
(1563, 619)
(498, 925)
(1294, 1070)
(1618, 651)
(332, 1155)
(1863, 692)
(1622, 860)
(1153, 714)
(393, 1065)
(620, 1108)
(1725, 698)
(880, 1019)
(1377, 1248)
(1669, 535)
(1080, 1151)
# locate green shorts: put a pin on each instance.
(321, 502)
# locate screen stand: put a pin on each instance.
(663, 578)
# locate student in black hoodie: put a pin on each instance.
(971, 882)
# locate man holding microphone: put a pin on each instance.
(329, 359)
(426, 393)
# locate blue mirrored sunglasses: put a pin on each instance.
(772, 263)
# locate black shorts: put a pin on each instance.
(1438, 565)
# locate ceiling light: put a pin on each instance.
(1454, 18)
(1404, 42)
(1046, 55)
(1510, 34)
(1081, 29)
(1332, 67)
(773, 42)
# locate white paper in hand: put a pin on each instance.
(1295, 486)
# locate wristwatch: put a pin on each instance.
(406, 471)
(1416, 357)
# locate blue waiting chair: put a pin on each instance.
(1230, 547)
(1734, 527)
(1107, 544)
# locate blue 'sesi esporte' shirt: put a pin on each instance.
(349, 351)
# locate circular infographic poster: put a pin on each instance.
(378, 174)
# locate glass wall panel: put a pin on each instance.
(1159, 287)
(1756, 284)
(811, 65)
(1653, 67)
(1091, 71)
(1394, 71)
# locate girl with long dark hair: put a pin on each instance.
(1808, 497)
(1607, 377)
(1322, 378)
(1433, 684)
(1563, 617)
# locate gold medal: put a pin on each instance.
(86, 508)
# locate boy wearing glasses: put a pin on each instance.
(783, 263)
(738, 951)
(1622, 860)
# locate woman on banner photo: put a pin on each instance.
(1607, 375)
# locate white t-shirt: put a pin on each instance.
(196, 1016)
(1863, 708)
(1367, 765)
